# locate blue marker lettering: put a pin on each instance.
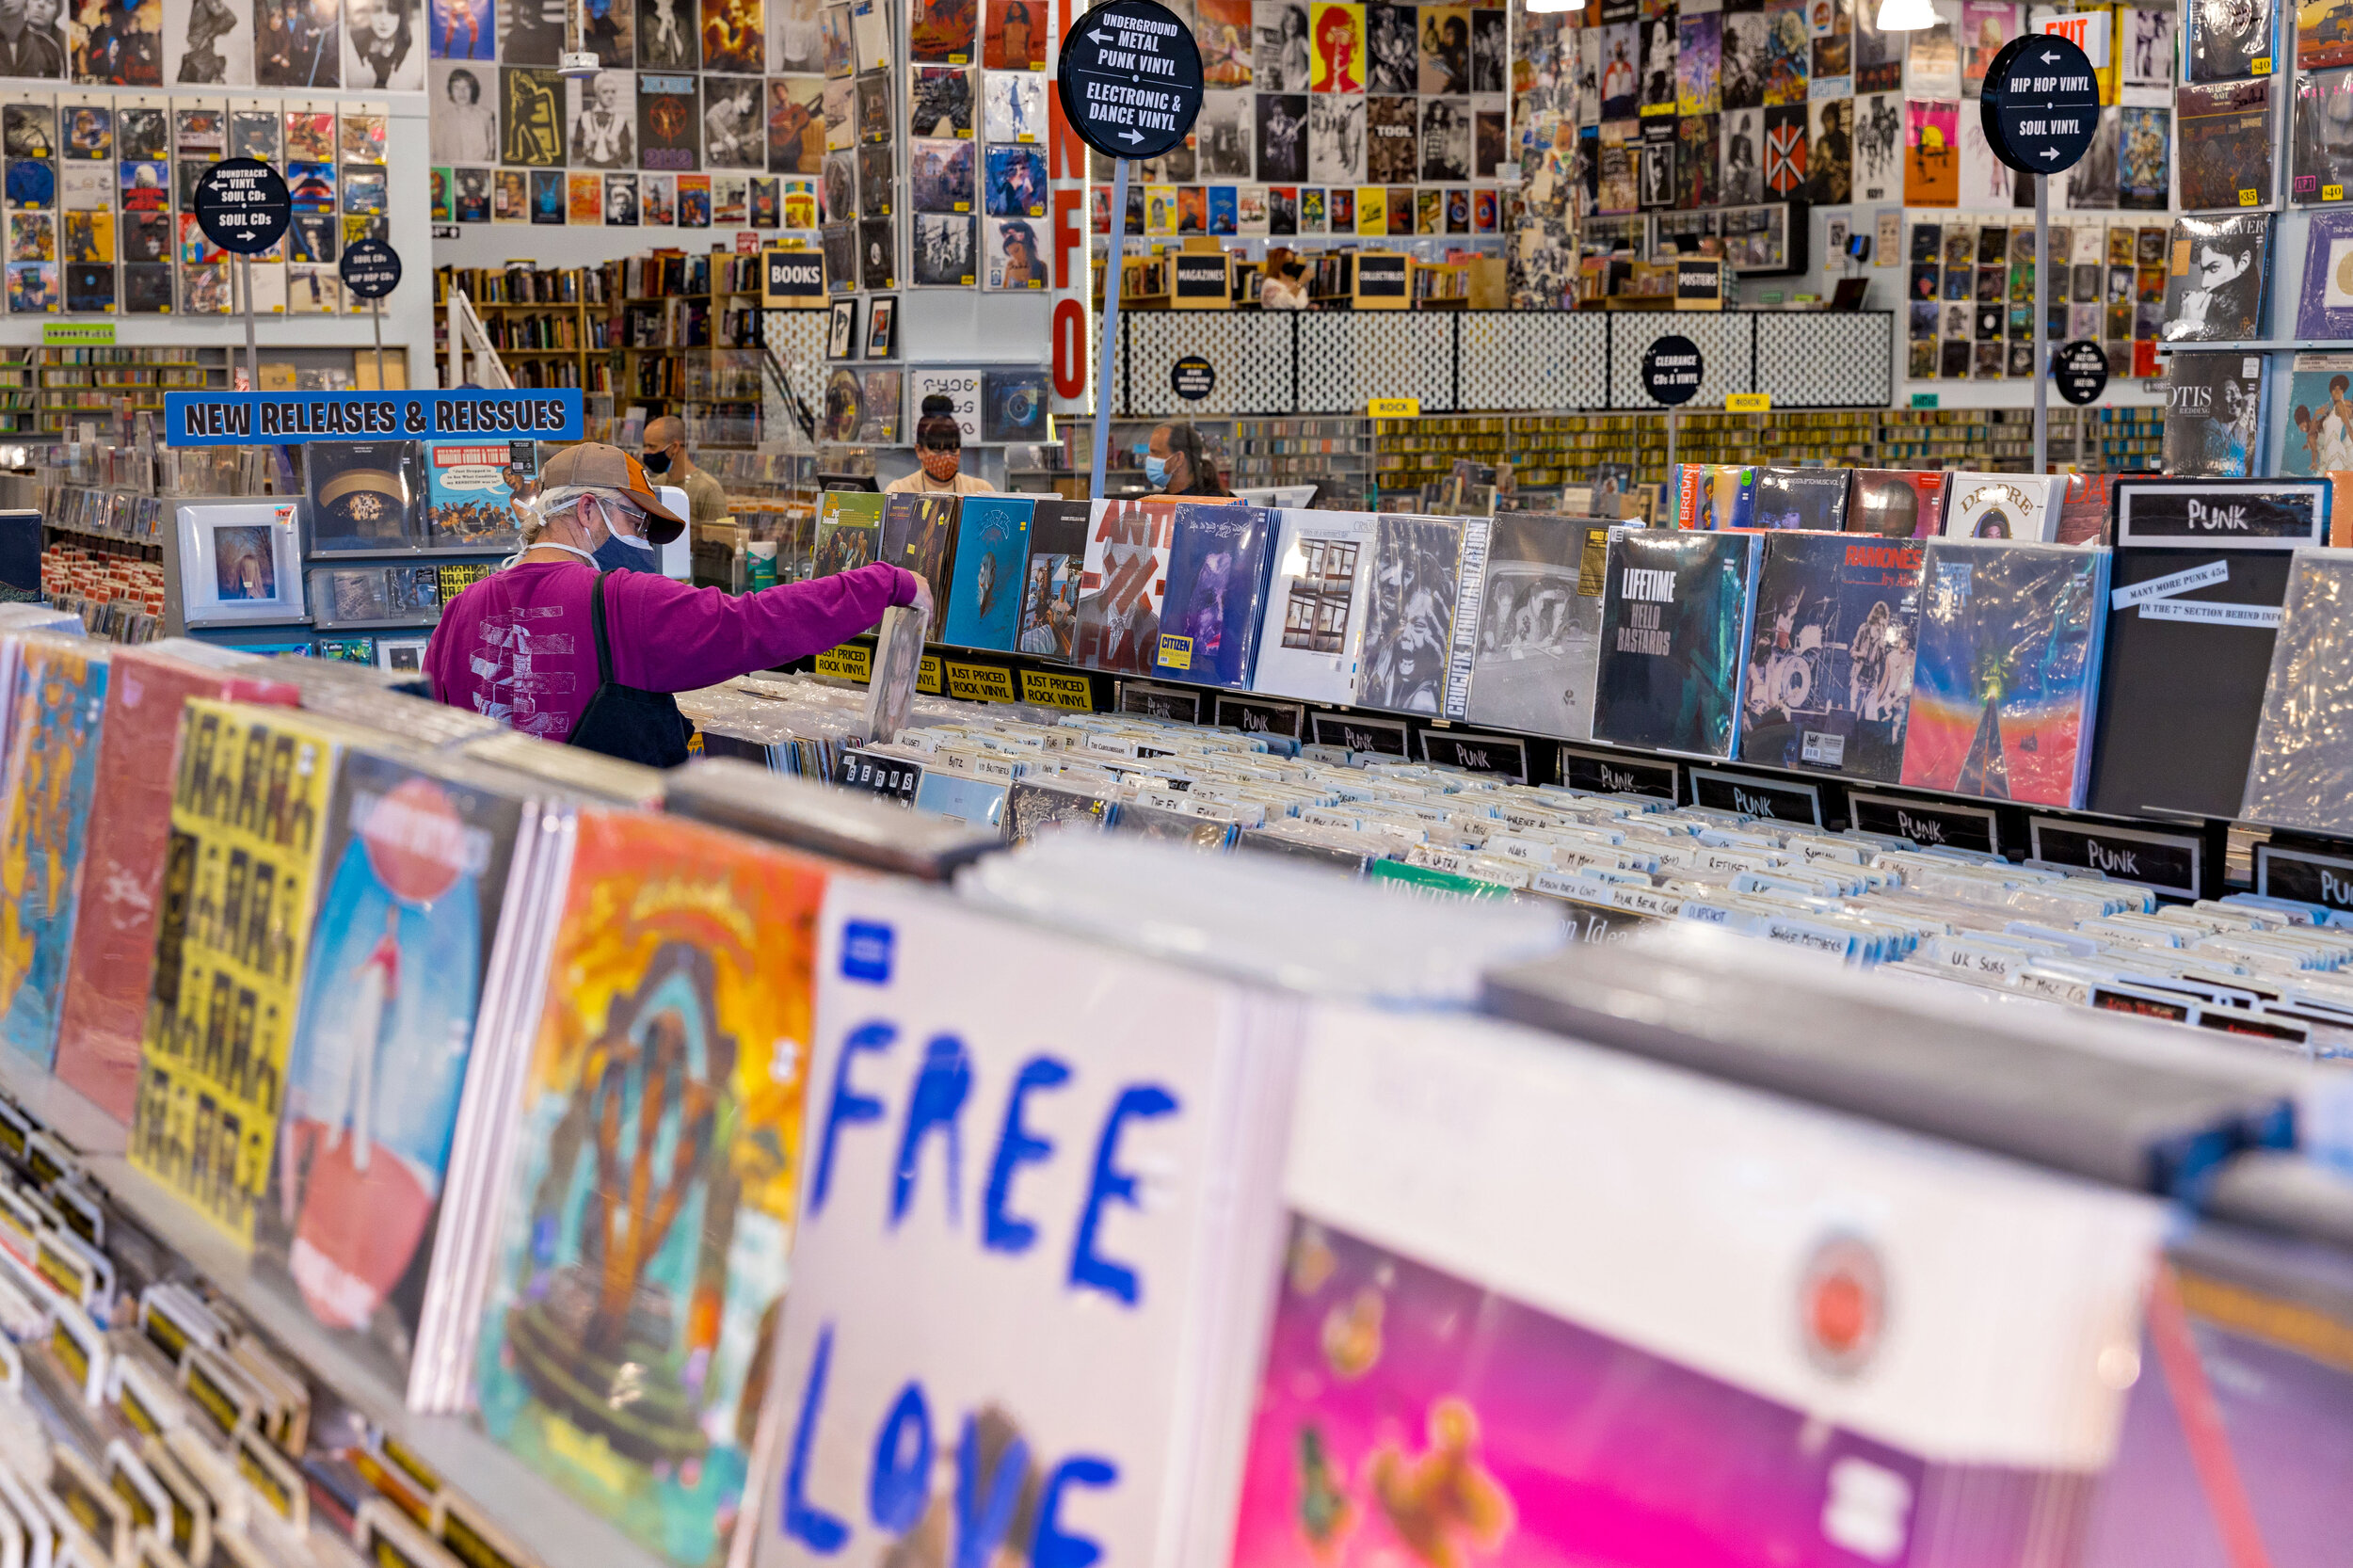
(982, 1522)
(1002, 1230)
(1142, 1101)
(1051, 1547)
(940, 1090)
(847, 1104)
(804, 1521)
(895, 1496)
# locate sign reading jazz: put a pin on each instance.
(1129, 78)
(274, 419)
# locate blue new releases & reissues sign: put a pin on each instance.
(280, 418)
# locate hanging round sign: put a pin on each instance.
(1192, 377)
(370, 269)
(2041, 103)
(1129, 78)
(1670, 370)
(2081, 370)
(242, 205)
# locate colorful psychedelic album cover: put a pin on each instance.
(471, 489)
(414, 870)
(1829, 678)
(1674, 624)
(649, 1206)
(2006, 671)
(1216, 574)
(231, 942)
(992, 549)
(61, 698)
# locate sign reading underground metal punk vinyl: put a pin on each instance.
(285, 419)
(1129, 78)
(2041, 103)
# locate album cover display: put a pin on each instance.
(992, 549)
(470, 492)
(1217, 573)
(2213, 413)
(2226, 41)
(1828, 679)
(249, 815)
(412, 877)
(1317, 605)
(2007, 670)
(1421, 618)
(1896, 503)
(2226, 143)
(639, 1259)
(1539, 625)
(1122, 584)
(2217, 278)
(60, 698)
(919, 534)
(849, 531)
(364, 495)
(2003, 505)
(1675, 627)
(2317, 413)
(2173, 661)
(1799, 497)
(2302, 771)
(1049, 586)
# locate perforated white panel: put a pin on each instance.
(1250, 351)
(1534, 359)
(1348, 358)
(1822, 358)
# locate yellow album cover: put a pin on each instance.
(240, 883)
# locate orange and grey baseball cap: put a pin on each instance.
(609, 468)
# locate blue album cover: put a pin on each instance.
(1829, 681)
(1675, 623)
(960, 798)
(1223, 210)
(1217, 568)
(992, 549)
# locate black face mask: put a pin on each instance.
(656, 462)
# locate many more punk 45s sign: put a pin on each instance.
(1129, 78)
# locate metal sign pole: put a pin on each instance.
(252, 354)
(1114, 257)
(1671, 446)
(2042, 324)
(376, 312)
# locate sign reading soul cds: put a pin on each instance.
(242, 205)
(2041, 103)
(275, 419)
(370, 269)
(1129, 79)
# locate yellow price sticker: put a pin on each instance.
(1748, 403)
(1393, 408)
(850, 662)
(1176, 652)
(2261, 66)
(1051, 689)
(927, 679)
(979, 683)
(2249, 198)
(2332, 193)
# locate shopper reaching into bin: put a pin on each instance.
(554, 648)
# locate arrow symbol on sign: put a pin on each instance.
(2050, 151)
(2048, 56)
(1097, 35)
(1131, 136)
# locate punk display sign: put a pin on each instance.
(1129, 79)
(2041, 104)
(2171, 863)
(242, 205)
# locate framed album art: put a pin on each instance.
(882, 327)
(239, 563)
(841, 333)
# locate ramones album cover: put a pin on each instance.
(1674, 624)
(1829, 679)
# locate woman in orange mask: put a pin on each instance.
(939, 453)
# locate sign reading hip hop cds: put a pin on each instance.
(2041, 103)
(370, 269)
(1129, 78)
(242, 205)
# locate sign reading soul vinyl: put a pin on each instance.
(242, 205)
(1671, 370)
(370, 269)
(2081, 371)
(2041, 103)
(1129, 78)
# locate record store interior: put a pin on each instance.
(1697, 655)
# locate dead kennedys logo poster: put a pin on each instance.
(1784, 151)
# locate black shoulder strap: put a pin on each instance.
(595, 623)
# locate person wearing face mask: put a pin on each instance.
(553, 647)
(666, 460)
(1175, 463)
(939, 455)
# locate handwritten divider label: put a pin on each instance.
(2304, 876)
(1258, 716)
(1506, 754)
(2172, 863)
(1379, 737)
(1616, 773)
(1929, 823)
(1782, 800)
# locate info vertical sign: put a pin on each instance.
(1129, 80)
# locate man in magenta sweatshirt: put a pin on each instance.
(518, 645)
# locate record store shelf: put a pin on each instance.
(557, 1529)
